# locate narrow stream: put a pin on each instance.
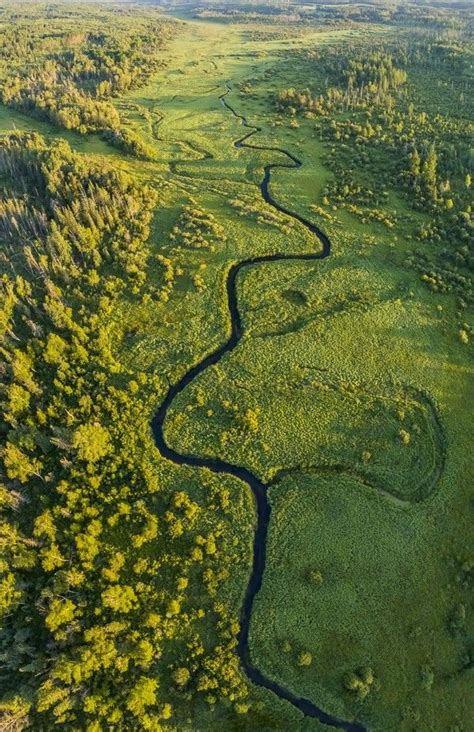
(220, 466)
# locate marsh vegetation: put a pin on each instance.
(125, 207)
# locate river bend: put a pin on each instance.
(217, 466)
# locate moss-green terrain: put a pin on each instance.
(349, 394)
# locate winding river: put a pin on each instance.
(220, 466)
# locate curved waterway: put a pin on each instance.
(217, 466)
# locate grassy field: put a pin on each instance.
(347, 393)
(357, 379)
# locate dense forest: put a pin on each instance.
(90, 601)
(336, 14)
(69, 77)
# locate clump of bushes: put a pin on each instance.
(360, 683)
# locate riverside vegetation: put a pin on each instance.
(124, 205)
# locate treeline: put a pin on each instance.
(357, 78)
(436, 180)
(340, 14)
(72, 87)
(358, 81)
(410, 15)
(381, 129)
(374, 72)
(102, 625)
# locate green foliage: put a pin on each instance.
(122, 575)
(427, 677)
(305, 658)
(197, 229)
(96, 601)
(376, 104)
(360, 683)
(361, 83)
(181, 676)
(91, 441)
(72, 81)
